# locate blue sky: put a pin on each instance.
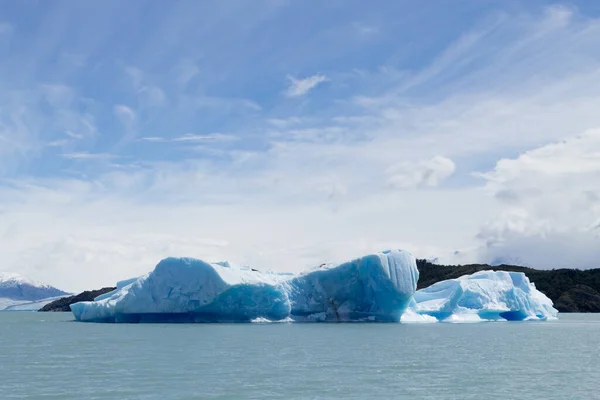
(284, 134)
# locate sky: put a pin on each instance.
(284, 134)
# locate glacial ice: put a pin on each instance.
(376, 287)
(483, 296)
(7, 304)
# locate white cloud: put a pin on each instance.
(88, 156)
(323, 134)
(423, 173)
(189, 137)
(552, 199)
(284, 122)
(129, 120)
(301, 87)
(125, 115)
(148, 95)
(211, 137)
(74, 135)
(152, 96)
(225, 104)
(154, 139)
(333, 188)
(31, 119)
(57, 143)
(117, 235)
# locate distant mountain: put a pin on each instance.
(16, 289)
(571, 290)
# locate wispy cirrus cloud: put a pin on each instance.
(284, 122)
(128, 119)
(125, 114)
(189, 137)
(74, 135)
(301, 87)
(88, 156)
(148, 95)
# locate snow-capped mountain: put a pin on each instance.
(16, 289)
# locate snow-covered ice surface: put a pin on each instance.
(377, 287)
(483, 296)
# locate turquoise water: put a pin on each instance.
(47, 356)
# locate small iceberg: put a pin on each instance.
(484, 296)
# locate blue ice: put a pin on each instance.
(376, 287)
(483, 296)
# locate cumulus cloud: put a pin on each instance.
(301, 87)
(427, 173)
(551, 197)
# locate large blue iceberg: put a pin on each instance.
(377, 287)
(482, 296)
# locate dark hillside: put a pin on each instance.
(63, 305)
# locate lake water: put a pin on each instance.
(48, 356)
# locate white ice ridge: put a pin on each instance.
(484, 296)
(376, 287)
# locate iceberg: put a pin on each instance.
(379, 287)
(376, 287)
(484, 296)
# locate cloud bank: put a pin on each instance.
(478, 144)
